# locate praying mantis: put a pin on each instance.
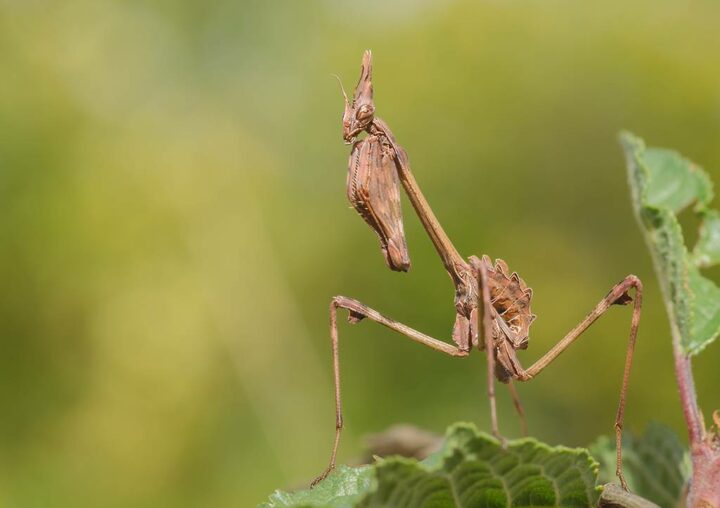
(486, 293)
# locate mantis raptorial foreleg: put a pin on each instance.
(359, 311)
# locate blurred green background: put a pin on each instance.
(173, 223)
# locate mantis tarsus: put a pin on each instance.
(484, 292)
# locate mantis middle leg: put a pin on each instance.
(358, 311)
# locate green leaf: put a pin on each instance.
(675, 182)
(656, 464)
(663, 184)
(471, 470)
(707, 248)
(707, 305)
(343, 488)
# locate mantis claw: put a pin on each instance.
(503, 440)
(621, 477)
(322, 476)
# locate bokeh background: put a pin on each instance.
(173, 223)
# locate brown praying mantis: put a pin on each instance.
(485, 293)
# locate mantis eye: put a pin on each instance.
(365, 112)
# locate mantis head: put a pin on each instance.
(360, 112)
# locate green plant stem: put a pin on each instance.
(614, 496)
(704, 491)
(688, 398)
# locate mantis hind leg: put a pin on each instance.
(518, 408)
(488, 344)
(618, 295)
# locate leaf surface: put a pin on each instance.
(471, 470)
(663, 184)
(343, 488)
